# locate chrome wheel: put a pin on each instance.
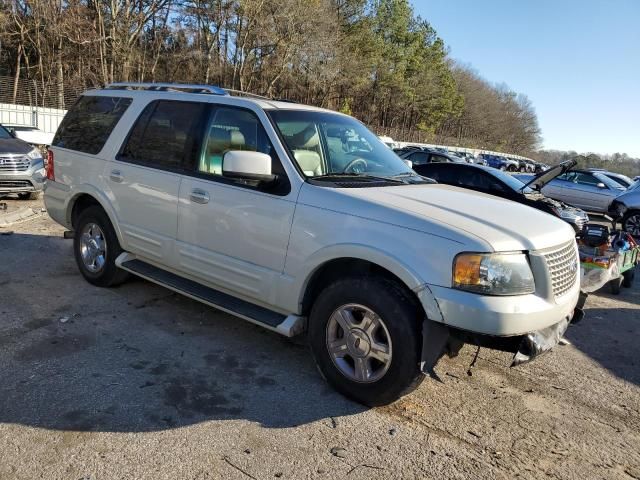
(93, 248)
(359, 343)
(632, 225)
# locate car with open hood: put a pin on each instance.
(589, 190)
(501, 184)
(300, 220)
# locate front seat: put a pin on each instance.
(306, 153)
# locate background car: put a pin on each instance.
(424, 156)
(21, 166)
(500, 162)
(501, 184)
(627, 207)
(589, 190)
(29, 134)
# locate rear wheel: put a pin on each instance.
(365, 336)
(631, 223)
(96, 248)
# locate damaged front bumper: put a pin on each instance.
(439, 339)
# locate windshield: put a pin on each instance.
(325, 144)
(608, 182)
(4, 133)
(623, 180)
(510, 180)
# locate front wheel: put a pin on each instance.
(631, 223)
(365, 336)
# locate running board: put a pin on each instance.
(288, 326)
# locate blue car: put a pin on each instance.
(500, 162)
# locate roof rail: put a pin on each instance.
(167, 87)
(240, 93)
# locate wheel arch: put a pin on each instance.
(86, 198)
(339, 267)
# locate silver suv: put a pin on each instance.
(21, 167)
(300, 219)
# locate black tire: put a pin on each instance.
(632, 229)
(628, 277)
(29, 195)
(109, 275)
(615, 284)
(403, 321)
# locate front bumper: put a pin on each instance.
(502, 316)
(31, 180)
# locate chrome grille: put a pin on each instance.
(14, 163)
(15, 184)
(563, 268)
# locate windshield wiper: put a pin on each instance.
(356, 175)
(413, 175)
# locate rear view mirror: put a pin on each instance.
(601, 185)
(246, 165)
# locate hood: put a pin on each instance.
(14, 145)
(545, 177)
(35, 137)
(471, 218)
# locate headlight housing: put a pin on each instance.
(35, 154)
(493, 273)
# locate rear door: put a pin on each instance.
(144, 179)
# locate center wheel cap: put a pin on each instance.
(358, 343)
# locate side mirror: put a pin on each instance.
(601, 185)
(247, 165)
(408, 163)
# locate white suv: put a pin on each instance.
(300, 219)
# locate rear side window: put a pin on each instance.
(165, 135)
(87, 126)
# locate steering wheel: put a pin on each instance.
(351, 166)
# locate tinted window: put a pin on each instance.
(438, 158)
(234, 129)
(164, 135)
(87, 126)
(4, 133)
(586, 179)
(419, 158)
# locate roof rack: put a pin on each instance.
(167, 87)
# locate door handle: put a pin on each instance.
(116, 176)
(199, 196)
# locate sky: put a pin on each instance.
(577, 60)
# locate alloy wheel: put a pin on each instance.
(359, 343)
(632, 225)
(93, 248)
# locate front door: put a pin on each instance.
(232, 234)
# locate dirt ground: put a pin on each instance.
(137, 382)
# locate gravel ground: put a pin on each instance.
(139, 383)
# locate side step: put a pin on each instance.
(285, 325)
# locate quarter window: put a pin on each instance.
(87, 126)
(164, 135)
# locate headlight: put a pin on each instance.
(493, 273)
(35, 154)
